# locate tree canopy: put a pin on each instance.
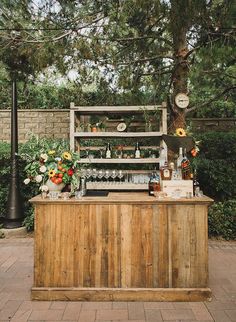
(154, 47)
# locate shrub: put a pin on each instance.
(216, 165)
(222, 219)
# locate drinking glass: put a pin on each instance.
(107, 175)
(120, 175)
(94, 174)
(100, 174)
(113, 175)
(88, 173)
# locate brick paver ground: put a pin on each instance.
(16, 270)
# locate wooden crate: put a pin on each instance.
(169, 186)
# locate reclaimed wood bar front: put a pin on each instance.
(123, 247)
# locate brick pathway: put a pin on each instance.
(16, 266)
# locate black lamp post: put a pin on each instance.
(15, 214)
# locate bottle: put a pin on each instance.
(137, 151)
(166, 171)
(83, 186)
(151, 186)
(108, 151)
(185, 167)
(180, 158)
(154, 184)
(196, 186)
(162, 157)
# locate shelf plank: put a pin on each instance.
(137, 161)
(116, 134)
(117, 109)
(124, 148)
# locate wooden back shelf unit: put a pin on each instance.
(80, 118)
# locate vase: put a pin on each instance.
(54, 187)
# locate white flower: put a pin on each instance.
(27, 181)
(43, 169)
(38, 178)
(57, 159)
(44, 156)
(43, 188)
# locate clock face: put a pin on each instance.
(182, 100)
(121, 127)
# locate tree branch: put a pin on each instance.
(212, 99)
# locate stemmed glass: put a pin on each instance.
(113, 175)
(88, 173)
(120, 175)
(107, 175)
(94, 174)
(100, 174)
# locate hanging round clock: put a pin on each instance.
(121, 127)
(182, 100)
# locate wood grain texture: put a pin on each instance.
(121, 245)
(122, 294)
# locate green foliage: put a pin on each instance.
(29, 220)
(222, 219)
(216, 164)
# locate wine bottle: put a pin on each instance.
(137, 151)
(108, 151)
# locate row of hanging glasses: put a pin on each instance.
(100, 175)
(113, 176)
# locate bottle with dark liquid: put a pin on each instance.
(185, 167)
(154, 184)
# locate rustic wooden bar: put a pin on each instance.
(127, 246)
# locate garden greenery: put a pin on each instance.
(216, 166)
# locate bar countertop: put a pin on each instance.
(123, 198)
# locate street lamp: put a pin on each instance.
(15, 214)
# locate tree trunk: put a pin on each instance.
(179, 27)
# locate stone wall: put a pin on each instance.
(44, 123)
(54, 123)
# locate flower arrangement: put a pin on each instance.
(182, 133)
(56, 166)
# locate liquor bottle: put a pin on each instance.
(108, 151)
(162, 157)
(196, 186)
(180, 158)
(137, 151)
(185, 166)
(154, 184)
(166, 171)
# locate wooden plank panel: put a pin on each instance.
(146, 246)
(104, 252)
(86, 252)
(126, 216)
(114, 275)
(201, 259)
(162, 255)
(92, 242)
(98, 256)
(137, 276)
